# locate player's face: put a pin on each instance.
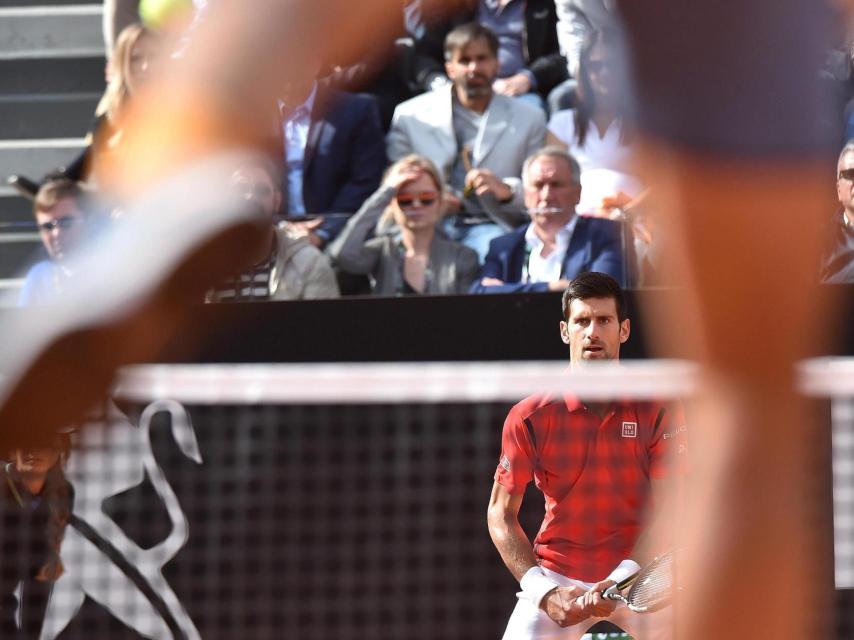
(255, 185)
(473, 68)
(845, 182)
(593, 331)
(550, 185)
(61, 228)
(417, 205)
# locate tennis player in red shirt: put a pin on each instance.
(600, 467)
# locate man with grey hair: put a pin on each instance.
(838, 262)
(557, 245)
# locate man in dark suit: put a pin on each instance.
(334, 153)
(557, 245)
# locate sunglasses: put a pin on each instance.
(65, 222)
(424, 199)
(846, 174)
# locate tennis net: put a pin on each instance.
(344, 501)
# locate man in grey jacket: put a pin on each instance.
(478, 139)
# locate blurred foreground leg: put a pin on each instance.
(731, 113)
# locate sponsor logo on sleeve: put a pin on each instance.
(505, 462)
(676, 431)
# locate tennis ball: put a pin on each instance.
(156, 14)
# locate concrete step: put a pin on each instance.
(19, 251)
(37, 3)
(58, 115)
(10, 289)
(51, 31)
(51, 76)
(35, 158)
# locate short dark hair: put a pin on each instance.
(595, 285)
(465, 34)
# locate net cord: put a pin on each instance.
(370, 383)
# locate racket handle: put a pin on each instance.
(611, 593)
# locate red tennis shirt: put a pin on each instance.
(594, 472)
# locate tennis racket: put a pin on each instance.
(651, 588)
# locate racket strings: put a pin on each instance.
(654, 586)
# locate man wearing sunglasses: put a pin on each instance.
(838, 263)
(59, 214)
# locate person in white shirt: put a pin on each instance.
(593, 132)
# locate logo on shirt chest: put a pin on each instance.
(630, 429)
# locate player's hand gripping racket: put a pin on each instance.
(651, 588)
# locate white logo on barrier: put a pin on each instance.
(114, 457)
(630, 429)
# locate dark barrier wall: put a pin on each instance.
(313, 522)
(453, 328)
(309, 522)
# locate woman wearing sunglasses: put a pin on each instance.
(593, 132)
(35, 505)
(412, 258)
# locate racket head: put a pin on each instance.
(652, 587)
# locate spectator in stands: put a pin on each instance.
(529, 60)
(137, 52)
(577, 20)
(59, 213)
(557, 245)
(594, 133)
(478, 139)
(290, 267)
(35, 506)
(838, 262)
(415, 258)
(333, 152)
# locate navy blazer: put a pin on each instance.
(595, 245)
(344, 156)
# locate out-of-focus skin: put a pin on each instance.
(216, 98)
(220, 93)
(746, 238)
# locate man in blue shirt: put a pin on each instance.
(61, 221)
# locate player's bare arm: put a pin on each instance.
(560, 603)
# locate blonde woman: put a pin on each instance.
(413, 258)
(134, 58)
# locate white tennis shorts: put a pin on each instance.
(527, 622)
